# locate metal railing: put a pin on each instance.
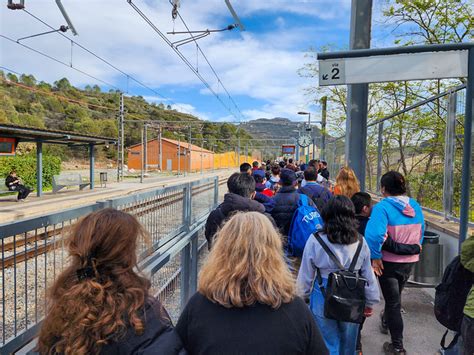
(33, 252)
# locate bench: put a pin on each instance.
(3, 189)
(65, 180)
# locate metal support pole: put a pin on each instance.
(160, 148)
(467, 150)
(189, 148)
(379, 155)
(297, 150)
(216, 191)
(179, 156)
(39, 168)
(194, 264)
(238, 145)
(448, 176)
(145, 154)
(202, 143)
(141, 158)
(91, 165)
(185, 274)
(314, 148)
(324, 101)
(120, 146)
(357, 94)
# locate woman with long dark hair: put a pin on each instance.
(340, 236)
(99, 304)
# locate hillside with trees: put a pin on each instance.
(28, 102)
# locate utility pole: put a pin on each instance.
(179, 156)
(189, 148)
(358, 94)
(120, 149)
(324, 101)
(202, 143)
(160, 147)
(238, 145)
(145, 155)
(142, 156)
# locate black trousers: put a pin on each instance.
(392, 282)
(22, 190)
(467, 332)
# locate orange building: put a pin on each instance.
(189, 157)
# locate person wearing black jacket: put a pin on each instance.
(324, 170)
(286, 202)
(239, 198)
(13, 183)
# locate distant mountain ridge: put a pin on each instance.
(278, 127)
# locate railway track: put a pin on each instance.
(42, 243)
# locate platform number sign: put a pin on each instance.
(331, 72)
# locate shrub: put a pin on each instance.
(25, 166)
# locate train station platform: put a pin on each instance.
(11, 210)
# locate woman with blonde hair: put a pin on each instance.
(347, 183)
(100, 304)
(246, 301)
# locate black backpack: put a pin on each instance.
(450, 298)
(344, 295)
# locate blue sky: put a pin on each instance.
(258, 66)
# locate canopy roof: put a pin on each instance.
(33, 134)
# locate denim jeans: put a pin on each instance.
(340, 337)
(392, 281)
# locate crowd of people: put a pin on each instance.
(256, 293)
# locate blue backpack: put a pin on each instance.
(306, 221)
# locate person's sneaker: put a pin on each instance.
(389, 349)
(383, 325)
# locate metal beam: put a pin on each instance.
(91, 165)
(358, 94)
(360, 53)
(467, 151)
(39, 168)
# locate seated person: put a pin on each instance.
(13, 183)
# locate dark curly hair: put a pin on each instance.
(340, 224)
(394, 183)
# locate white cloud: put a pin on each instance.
(260, 66)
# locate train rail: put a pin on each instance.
(42, 241)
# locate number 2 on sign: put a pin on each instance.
(335, 72)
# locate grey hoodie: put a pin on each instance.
(315, 256)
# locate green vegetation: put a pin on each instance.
(25, 101)
(25, 166)
(413, 143)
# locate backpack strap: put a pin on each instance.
(303, 201)
(356, 255)
(452, 343)
(329, 252)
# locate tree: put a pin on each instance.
(28, 80)
(62, 84)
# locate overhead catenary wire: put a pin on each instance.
(181, 56)
(207, 60)
(69, 65)
(127, 75)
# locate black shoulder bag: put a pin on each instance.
(344, 295)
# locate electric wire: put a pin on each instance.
(207, 60)
(180, 55)
(128, 76)
(59, 61)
